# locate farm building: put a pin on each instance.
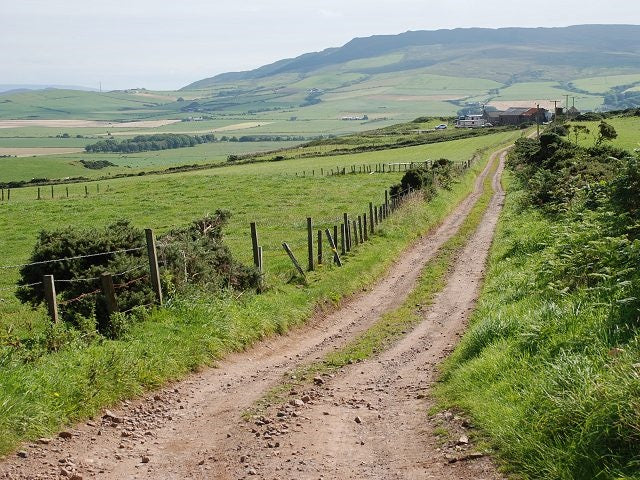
(517, 116)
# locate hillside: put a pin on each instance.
(444, 70)
(543, 49)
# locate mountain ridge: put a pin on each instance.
(577, 46)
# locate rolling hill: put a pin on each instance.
(522, 54)
(445, 68)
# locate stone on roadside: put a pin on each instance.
(108, 415)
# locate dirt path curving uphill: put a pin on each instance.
(193, 429)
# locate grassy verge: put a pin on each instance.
(393, 324)
(39, 397)
(548, 375)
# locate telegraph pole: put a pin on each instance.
(538, 119)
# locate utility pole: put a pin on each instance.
(567, 96)
(538, 119)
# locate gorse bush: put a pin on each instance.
(197, 255)
(194, 256)
(76, 277)
(425, 178)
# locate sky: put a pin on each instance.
(165, 45)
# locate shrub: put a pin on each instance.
(558, 129)
(78, 276)
(426, 179)
(192, 255)
(197, 255)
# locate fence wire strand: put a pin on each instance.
(78, 298)
(43, 262)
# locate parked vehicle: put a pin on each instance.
(442, 126)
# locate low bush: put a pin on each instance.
(194, 255)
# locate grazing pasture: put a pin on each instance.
(627, 128)
(269, 193)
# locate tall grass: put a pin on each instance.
(551, 375)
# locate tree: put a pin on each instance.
(577, 130)
(605, 132)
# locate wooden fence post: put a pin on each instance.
(355, 231)
(154, 271)
(86, 191)
(386, 199)
(319, 247)
(364, 222)
(310, 243)
(254, 244)
(293, 259)
(345, 220)
(336, 257)
(50, 297)
(109, 293)
(67, 189)
(38, 193)
(375, 217)
(51, 191)
(371, 217)
(8, 194)
(343, 238)
(360, 228)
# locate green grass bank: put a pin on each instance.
(551, 375)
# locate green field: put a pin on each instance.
(68, 165)
(269, 193)
(627, 128)
(542, 91)
(72, 104)
(604, 84)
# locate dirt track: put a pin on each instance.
(194, 428)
